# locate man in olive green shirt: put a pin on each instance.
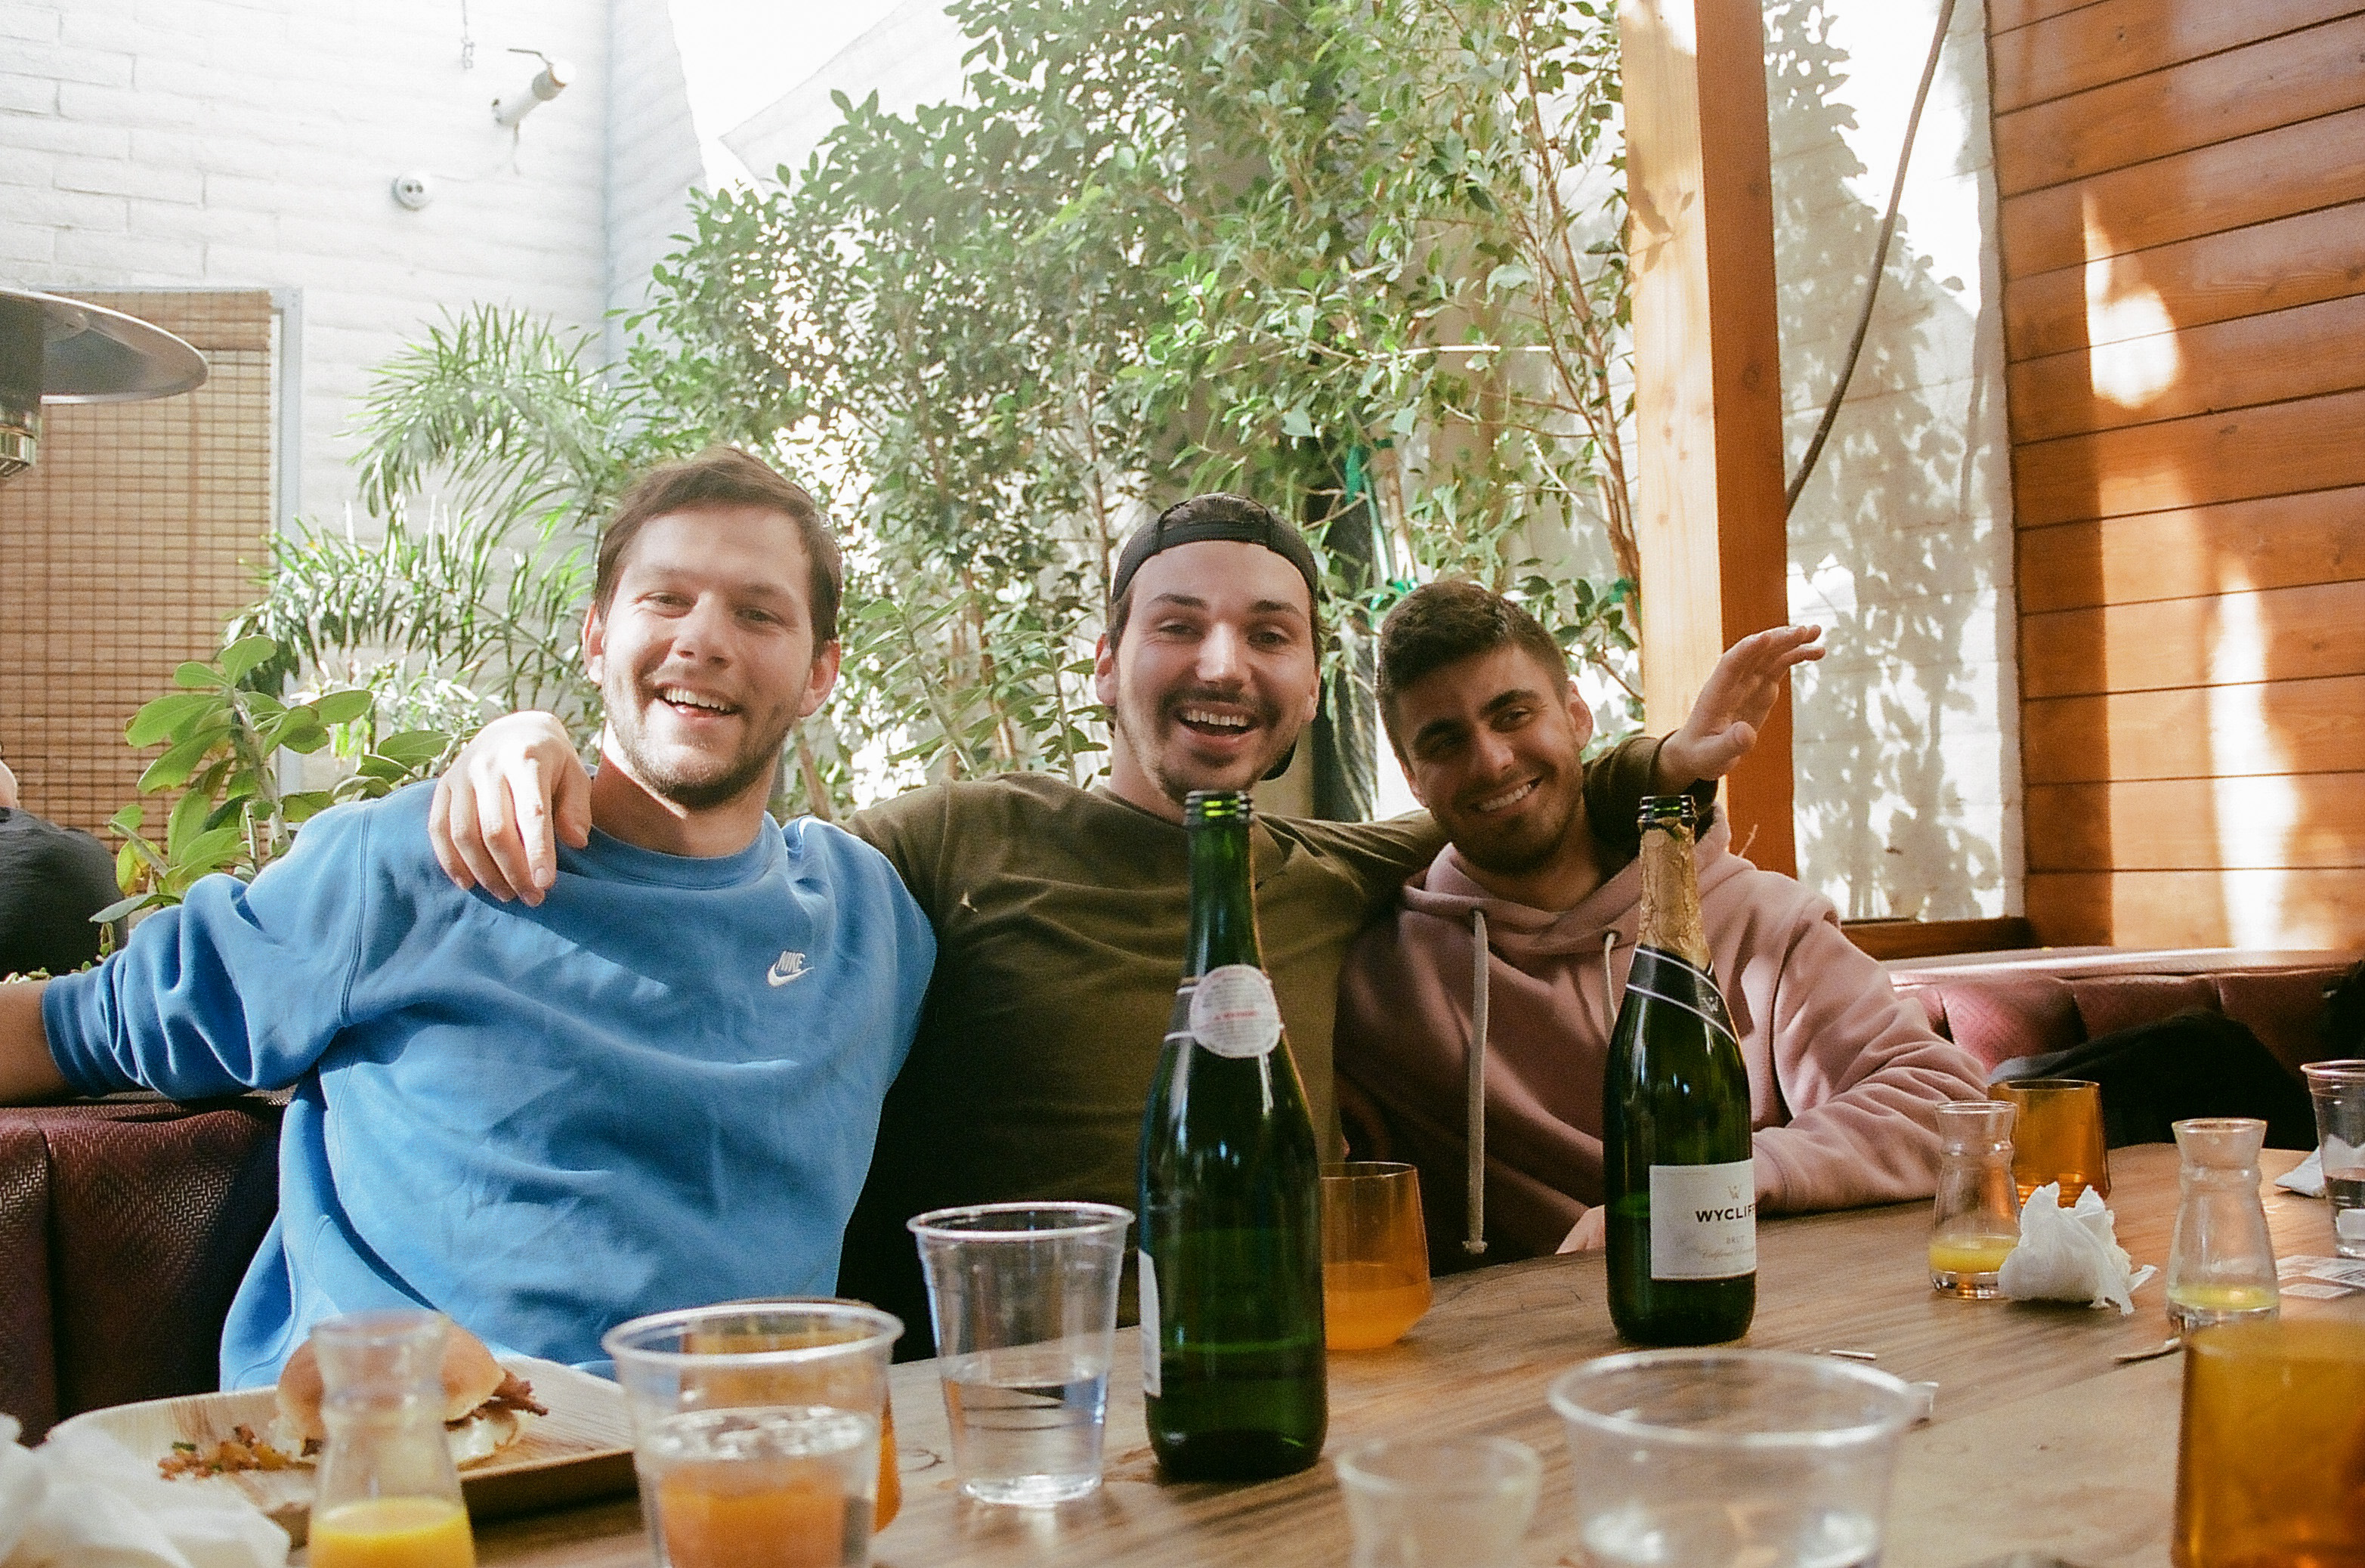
(1060, 913)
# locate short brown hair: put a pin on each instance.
(1444, 623)
(725, 477)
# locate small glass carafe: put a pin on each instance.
(387, 1492)
(1977, 1220)
(2221, 1267)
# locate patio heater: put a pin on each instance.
(54, 350)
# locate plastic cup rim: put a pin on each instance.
(885, 1329)
(1526, 1463)
(1907, 1404)
(375, 1324)
(2336, 1072)
(1096, 1220)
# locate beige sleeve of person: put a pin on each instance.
(1861, 1074)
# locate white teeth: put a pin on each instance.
(676, 696)
(1507, 798)
(1223, 720)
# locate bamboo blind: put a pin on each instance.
(124, 549)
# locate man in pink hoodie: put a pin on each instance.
(1842, 1076)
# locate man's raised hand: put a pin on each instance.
(494, 808)
(1725, 718)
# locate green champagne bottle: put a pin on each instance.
(1675, 1148)
(1232, 1354)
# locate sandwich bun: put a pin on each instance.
(471, 1378)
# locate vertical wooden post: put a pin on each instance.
(1709, 506)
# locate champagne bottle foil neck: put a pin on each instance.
(1671, 906)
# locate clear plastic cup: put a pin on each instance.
(1763, 1457)
(1440, 1503)
(1023, 1300)
(757, 1420)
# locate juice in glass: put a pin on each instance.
(1365, 1305)
(1971, 1254)
(393, 1532)
(1374, 1254)
(786, 1487)
(2270, 1462)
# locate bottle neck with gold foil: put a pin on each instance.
(1671, 907)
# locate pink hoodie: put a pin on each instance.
(1841, 1074)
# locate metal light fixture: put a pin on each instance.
(511, 109)
(54, 350)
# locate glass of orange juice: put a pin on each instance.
(2270, 1458)
(2058, 1136)
(1374, 1254)
(761, 1431)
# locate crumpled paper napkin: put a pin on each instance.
(2070, 1254)
(2307, 1178)
(84, 1500)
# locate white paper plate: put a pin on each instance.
(581, 1450)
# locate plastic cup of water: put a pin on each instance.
(1431, 1502)
(1023, 1300)
(2338, 1090)
(1764, 1457)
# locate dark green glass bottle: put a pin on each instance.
(1231, 1198)
(1674, 1148)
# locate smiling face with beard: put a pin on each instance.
(1493, 745)
(705, 656)
(1214, 675)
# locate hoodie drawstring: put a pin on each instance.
(1474, 1093)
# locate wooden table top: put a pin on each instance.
(2040, 1441)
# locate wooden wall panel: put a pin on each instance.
(2276, 542)
(2254, 729)
(2182, 238)
(2268, 266)
(2005, 14)
(2273, 358)
(2279, 81)
(2283, 447)
(2294, 910)
(2293, 634)
(2097, 45)
(2253, 822)
(2230, 185)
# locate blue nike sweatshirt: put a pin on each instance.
(658, 1089)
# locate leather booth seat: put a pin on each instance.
(2000, 1006)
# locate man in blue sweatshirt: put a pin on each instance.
(658, 1087)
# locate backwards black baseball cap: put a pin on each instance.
(1216, 516)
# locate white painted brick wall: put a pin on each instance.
(1907, 746)
(652, 158)
(218, 143)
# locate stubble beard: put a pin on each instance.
(699, 789)
(1523, 855)
(1166, 713)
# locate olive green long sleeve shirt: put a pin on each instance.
(1060, 917)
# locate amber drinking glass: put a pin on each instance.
(2270, 1461)
(2057, 1137)
(1374, 1254)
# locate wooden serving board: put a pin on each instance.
(580, 1451)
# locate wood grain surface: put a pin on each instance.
(2040, 1441)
